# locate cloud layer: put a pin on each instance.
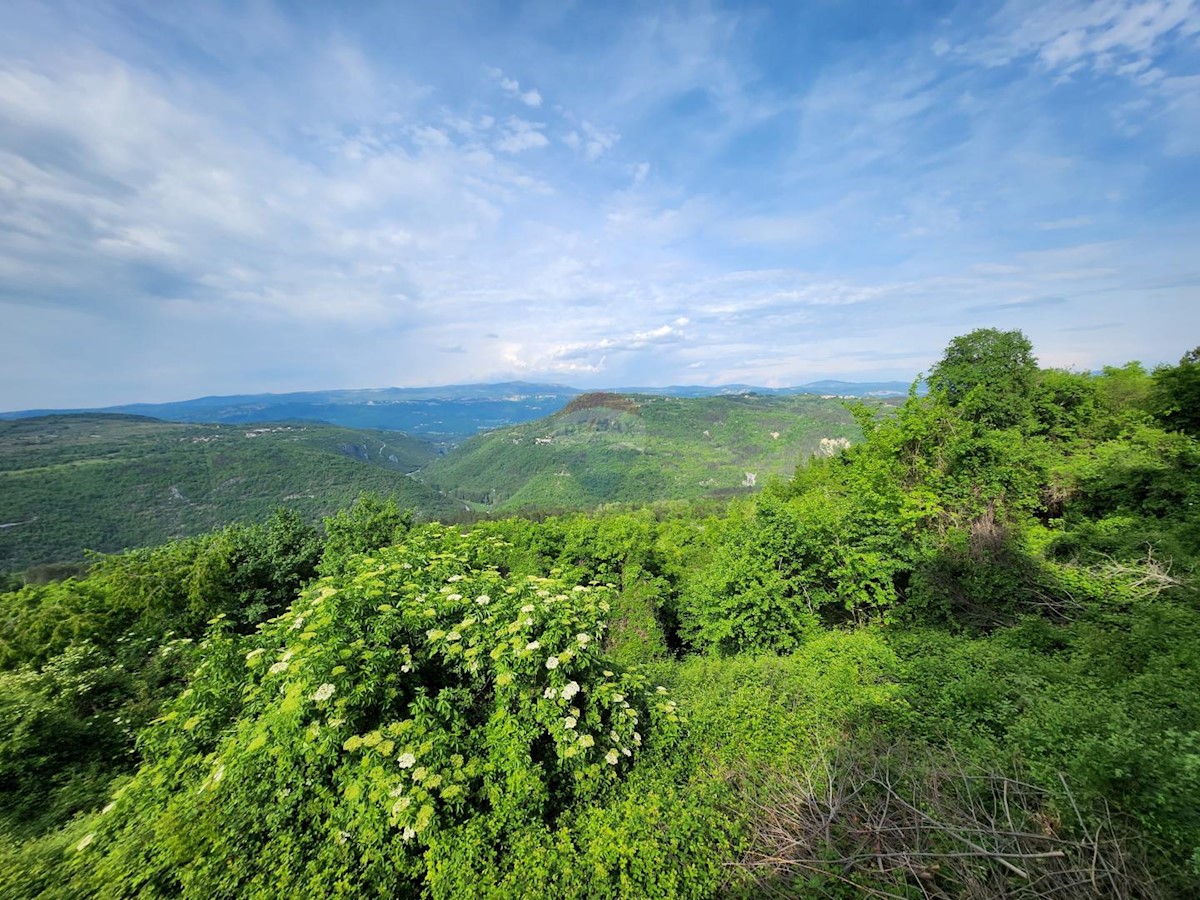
(211, 200)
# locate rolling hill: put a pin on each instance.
(439, 413)
(445, 414)
(106, 482)
(606, 447)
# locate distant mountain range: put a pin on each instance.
(447, 413)
(821, 388)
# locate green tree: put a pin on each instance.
(1125, 390)
(65, 734)
(1176, 394)
(251, 573)
(334, 759)
(1068, 405)
(371, 523)
(989, 376)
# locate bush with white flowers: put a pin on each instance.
(387, 710)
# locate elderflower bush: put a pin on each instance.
(388, 709)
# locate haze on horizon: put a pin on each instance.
(205, 199)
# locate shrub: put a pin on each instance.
(420, 700)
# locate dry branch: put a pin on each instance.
(894, 822)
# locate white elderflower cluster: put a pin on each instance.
(324, 692)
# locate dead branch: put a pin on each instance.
(893, 820)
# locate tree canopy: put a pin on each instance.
(1176, 393)
(989, 375)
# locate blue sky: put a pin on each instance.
(199, 198)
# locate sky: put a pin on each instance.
(211, 198)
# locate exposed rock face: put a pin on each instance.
(830, 446)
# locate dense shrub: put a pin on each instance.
(419, 703)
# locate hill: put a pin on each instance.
(106, 482)
(442, 413)
(447, 413)
(606, 447)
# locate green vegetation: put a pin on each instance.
(958, 658)
(1176, 393)
(606, 448)
(107, 482)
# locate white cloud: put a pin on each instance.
(591, 356)
(531, 97)
(772, 229)
(596, 142)
(1181, 95)
(428, 136)
(1118, 36)
(155, 197)
(303, 213)
(518, 135)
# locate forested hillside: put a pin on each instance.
(960, 658)
(106, 482)
(606, 447)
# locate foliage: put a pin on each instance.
(1175, 396)
(1104, 701)
(247, 572)
(90, 661)
(1125, 391)
(65, 734)
(370, 524)
(418, 694)
(640, 449)
(40, 621)
(989, 376)
(957, 657)
(1140, 490)
(1069, 406)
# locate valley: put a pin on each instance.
(105, 482)
(71, 483)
